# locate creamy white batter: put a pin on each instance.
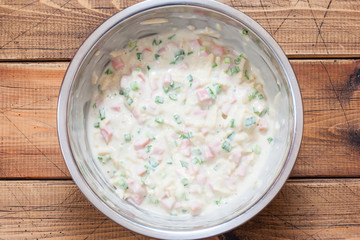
(179, 123)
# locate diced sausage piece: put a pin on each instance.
(106, 134)
(193, 169)
(199, 111)
(208, 154)
(201, 179)
(172, 46)
(154, 86)
(146, 51)
(135, 113)
(203, 95)
(167, 79)
(204, 131)
(158, 151)
(137, 198)
(263, 124)
(116, 108)
(168, 202)
(241, 170)
(177, 205)
(215, 146)
(140, 170)
(226, 108)
(141, 154)
(195, 43)
(125, 81)
(138, 189)
(118, 63)
(236, 155)
(233, 99)
(183, 66)
(217, 50)
(185, 147)
(162, 50)
(141, 143)
(195, 206)
(142, 77)
(203, 53)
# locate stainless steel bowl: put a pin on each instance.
(77, 88)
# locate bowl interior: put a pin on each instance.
(179, 16)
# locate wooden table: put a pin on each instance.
(38, 199)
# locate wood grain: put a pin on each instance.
(54, 29)
(330, 147)
(304, 209)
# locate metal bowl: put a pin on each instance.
(77, 88)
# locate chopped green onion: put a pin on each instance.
(237, 60)
(96, 125)
(260, 96)
(94, 105)
(159, 120)
(127, 137)
(148, 149)
(250, 121)
(226, 146)
(214, 65)
(199, 160)
(166, 89)
(139, 56)
(184, 164)
(216, 167)
(212, 94)
(173, 96)
(245, 32)
(186, 135)
(190, 79)
(156, 43)
(153, 163)
(129, 101)
(171, 37)
(127, 91)
(183, 210)
(179, 56)
(233, 70)
(185, 181)
(242, 56)
(159, 100)
(138, 69)
(157, 56)
(246, 75)
(217, 202)
(121, 92)
(256, 149)
(148, 67)
(270, 139)
(232, 123)
(134, 86)
(102, 113)
(177, 118)
(230, 136)
(253, 94)
(99, 89)
(108, 72)
(227, 60)
(189, 53)
(217, 88)
(122, 184)
(177, 86)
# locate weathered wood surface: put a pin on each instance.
(304, 209)
(54, 29)
(330, 148)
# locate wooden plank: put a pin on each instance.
(54, 29)
(330, 148)
(304, 209)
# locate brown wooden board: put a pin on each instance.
(54, 29)
(304, 209)
(330, 148)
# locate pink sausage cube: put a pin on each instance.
(195, 43)
(141, 143)
(217, 50)
(263, 124)
(215, 146)
(167, 79)
(203, 95)
(236, 155)
(201, 179)
(185, 147)
(208, 154)
(106, 134)
(142, 77)
(116, 108)
(118, 63)
(125, 81)
(168, 202)
(195, 206)
(241, 170)
(158, 151)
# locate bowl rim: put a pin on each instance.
(80, 181)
